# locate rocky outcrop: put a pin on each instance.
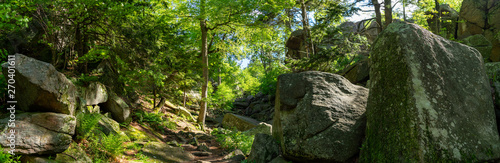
(481, 17)
(41, 87)
(38, 133)
(119, 110)
(319, 117)
(429, 100)
(239, 122)
(264, 149)
(259, 107)
(481, 44)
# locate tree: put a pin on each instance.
(378, 15)
(387, 12)
(221, 16)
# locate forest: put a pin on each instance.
(178, 80)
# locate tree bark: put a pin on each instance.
(305, 26)
(184, 98)
(204, 55)
(378, 15)
(438, 17)
(388, 12)
(404, 10)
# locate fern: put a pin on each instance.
(87, 124)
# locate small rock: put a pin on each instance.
(202, 147)
(236, 155)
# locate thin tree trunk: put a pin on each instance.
(378, 15)
(305, 26)
(204, 54)
(388, 12)
(404, 10)
(184, 99)
(438, 19)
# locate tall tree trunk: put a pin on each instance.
(404, 10)
(305, 26)
(438, 15)
(204, 55)
(184, 98)
(388, 12)
(378, 15)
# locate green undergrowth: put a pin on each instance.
(99, 146)
(233, 139)
(157, 121)
(8, 158)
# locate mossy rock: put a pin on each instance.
(138, 135)
(74, 154)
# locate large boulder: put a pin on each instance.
(319, 117)
(95, 93)
(38, 133)
(239, 122)
(118, 108)
(40, 87)
(481, 17)
(429, 100)
(264, 149)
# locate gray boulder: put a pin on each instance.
(40, 87)
(109, 126)
(264, 149)
(319, 117)
(38, 133)
(95, 93)
(118, 108)
(429, 100)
